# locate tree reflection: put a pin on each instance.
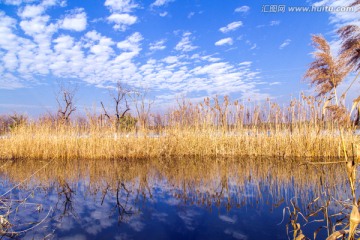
(121, 207)
(123, 189)
(65, 197)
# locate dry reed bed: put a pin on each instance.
(66, 142)
(214, 127)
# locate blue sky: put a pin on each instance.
(172, 48)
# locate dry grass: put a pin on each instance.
(215, 127)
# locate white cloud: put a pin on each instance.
(271, 24)
(174, 75)
(246, 63)
(285, 44)
(171, 59)
(17, 2)
(159, 3)
(341, 17)
(122, 20)
(93, 35)
(9, 81)
(75, 21)
(120, 10)
(190, 15)
(274, 23)
(231, 27)
(13, 2)
(31, 11)
(224, 41)
(274, 83)
(122, 6)
(243, 9)
(158, 45)
(30, 50)
(10, 61)
(50, 3)
(210, 58)
(68, 58)
(213, 69)
(34, 50)
(103, 48)
(131, 43)
(163, 14)
(131, 47)
(35, 25)
(185, 43)
(8, 40)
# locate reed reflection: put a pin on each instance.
(86, 192)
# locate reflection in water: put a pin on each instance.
(168, 198)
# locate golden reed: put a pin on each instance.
(214, 127)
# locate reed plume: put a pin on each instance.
(326, 72)
(350, 36)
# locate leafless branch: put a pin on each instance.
(66, 102)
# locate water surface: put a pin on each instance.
(167, 199)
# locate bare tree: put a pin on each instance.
(121, 104)
(65, 99)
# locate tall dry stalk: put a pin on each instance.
(142, 107)
(350, 49)
(327, 72)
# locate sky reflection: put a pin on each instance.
(161, 199)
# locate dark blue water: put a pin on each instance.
(166, 200)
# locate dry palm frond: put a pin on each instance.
(326, 72)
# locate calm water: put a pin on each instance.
(166, 199)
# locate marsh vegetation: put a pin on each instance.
(215, 127)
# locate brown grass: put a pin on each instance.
(215, 127)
